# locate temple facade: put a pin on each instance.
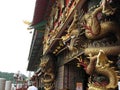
(76, 45)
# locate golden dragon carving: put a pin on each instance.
(102, 30)
(47, 68)
(104, 76)
(101, 23)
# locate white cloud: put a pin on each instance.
(15, 39)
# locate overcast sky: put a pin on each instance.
(15, 39)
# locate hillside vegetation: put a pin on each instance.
(9, 76)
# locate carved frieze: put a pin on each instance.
(59, 13)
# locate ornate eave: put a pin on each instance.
(38, 24)
(39, 12)
(35, 51)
